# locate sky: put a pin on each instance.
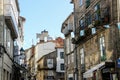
(43, 15)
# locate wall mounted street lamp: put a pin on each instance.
(20, 56)
(22, 53)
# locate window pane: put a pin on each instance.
(62, 67)
(81, 2)
(62, 55)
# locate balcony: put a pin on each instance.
(11, 20)
(68, 28)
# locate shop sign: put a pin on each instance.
(118, 62)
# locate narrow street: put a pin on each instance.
(60, 40)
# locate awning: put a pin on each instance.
(89, 73)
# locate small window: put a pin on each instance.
(62, 67)
(70, 78)
(81, 2)
(82, 55)
(96, 15)
(62, 55)
(88, 19)
(82, 23)
(87, 3)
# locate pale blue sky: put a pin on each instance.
(43, 14)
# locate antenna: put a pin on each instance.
(32, 42)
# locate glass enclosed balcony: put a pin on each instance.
(11, 19)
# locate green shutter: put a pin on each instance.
(103, 58)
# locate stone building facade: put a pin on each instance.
(47, 67)
(67, 29)
(96, 30)
(9, 34)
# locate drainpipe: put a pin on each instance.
(76, 63)
(75, 48)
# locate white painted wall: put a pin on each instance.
(59, 60)
(43, 49)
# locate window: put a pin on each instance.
(88, 19)
(102, 48)
(50, 73)
(62, 55)
(70, 78)
(81, 2)
(96, 15)
(82, 55)
(50, 63)
(68, 59)
(5, 37)
(105, 12)
(68, 45)
(8, 40)
(72, 45)
(82, 32)
(62, 67)
(87, 3)
(82, 23)
(93, 30)
(72, 57)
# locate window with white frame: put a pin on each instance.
(50, 63)
(80, 2)
(82, 55)
(102, 48)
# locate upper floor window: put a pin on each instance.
(87, 3)
(96, 15)
(62, 55)
(68, 45)
(82, 23)
(72, 57)
(62, 67)
(88, 19)
(50, 63)
(80, 2)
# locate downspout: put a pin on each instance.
(75, 48)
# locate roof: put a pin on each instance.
(45, 56)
